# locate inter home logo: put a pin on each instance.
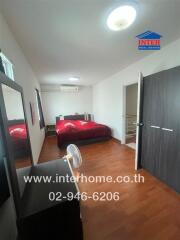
(149, 41)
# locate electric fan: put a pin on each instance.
(74, 155)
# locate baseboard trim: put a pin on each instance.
(116, 140)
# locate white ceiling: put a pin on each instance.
(63, 38)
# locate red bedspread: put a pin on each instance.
(76, 130)
(18, 131)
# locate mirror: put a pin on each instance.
(18, 132)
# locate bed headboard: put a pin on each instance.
(75, 117)
(15, 122)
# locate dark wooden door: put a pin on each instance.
(170, 130)
(152, 112)
(161, 130)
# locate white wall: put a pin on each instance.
(25, 77)
(108, 94)
(131, 99)
(61, 103)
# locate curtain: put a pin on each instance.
(41, 117)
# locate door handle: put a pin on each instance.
(153, 126)
(139, 124)
(167, 129)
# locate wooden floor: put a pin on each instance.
(145, 211)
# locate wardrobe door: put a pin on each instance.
(170, 130)
(152, 120)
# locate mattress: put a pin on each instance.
(18, 131)
(69, 131)
(19, 141)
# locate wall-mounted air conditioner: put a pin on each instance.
(69, 88)
(59, 88)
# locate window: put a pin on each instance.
(7, 66)
(40, 112)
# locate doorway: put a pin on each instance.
(131, 99)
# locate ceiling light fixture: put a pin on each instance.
(74, 79)
(121, 18)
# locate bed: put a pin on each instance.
(18, 133)
(80, 131)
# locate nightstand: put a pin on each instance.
(50, 130)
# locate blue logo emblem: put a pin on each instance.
(149, 41)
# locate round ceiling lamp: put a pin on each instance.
(121, 18)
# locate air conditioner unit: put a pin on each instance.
(69, 88)
(57, 88)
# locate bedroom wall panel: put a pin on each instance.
(56, 103)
